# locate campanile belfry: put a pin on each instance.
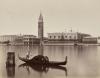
(40, 27)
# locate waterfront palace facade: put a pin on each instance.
(58, 37)
(67, 36)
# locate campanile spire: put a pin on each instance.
(40, 18)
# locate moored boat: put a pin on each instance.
(43, 60)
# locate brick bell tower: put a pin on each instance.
(40, 27)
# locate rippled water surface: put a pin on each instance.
(83, 62)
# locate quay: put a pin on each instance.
(70, 44)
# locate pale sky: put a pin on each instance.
(21, 16)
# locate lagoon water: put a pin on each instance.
(83, 62)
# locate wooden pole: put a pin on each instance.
(10, 59)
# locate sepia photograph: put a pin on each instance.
(49, 38)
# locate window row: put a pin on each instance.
(60, 37)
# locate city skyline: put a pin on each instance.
(22, 16)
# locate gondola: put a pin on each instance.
(42, 60)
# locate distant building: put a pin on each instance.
(10, 38)
(19, 39)
(98, 39)
(68, 36)
(90, 40)
(26, 40)
(30, 40)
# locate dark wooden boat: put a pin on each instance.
(42, 60)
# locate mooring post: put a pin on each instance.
(10, 59)
(10, 71)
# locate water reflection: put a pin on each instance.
(10, 71)
(42, 68)
(41, 50)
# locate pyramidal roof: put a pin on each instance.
(40, 18)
